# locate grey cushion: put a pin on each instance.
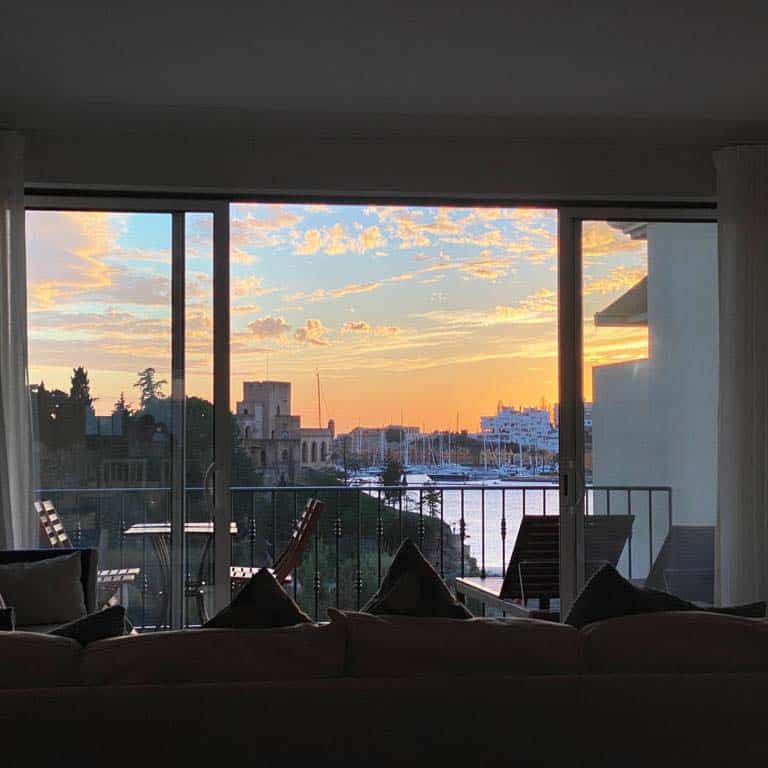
(30, 660)
(405, 646)
(608, 595)
(44, 592)
(412, 587)
(260, 604)
(109, 622)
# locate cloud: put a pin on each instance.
(599, 239)
(487, 267)
(268, 327)
(335, 240)
(386, 330)
(244, 309)
(537, 308)
(311, 243)
(353, 288)
(359, 326)
(618, 279)
(252, 285)
(313, 332)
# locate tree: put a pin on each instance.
(150, 388)
(80, 391)
(392, 475)
(431, 499)
(121, 406)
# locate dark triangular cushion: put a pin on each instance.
(260, 604)
(608, 595)
(412, 587)
(110, 622)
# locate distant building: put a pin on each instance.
(527, 427)
(277, 443)
(376, 445)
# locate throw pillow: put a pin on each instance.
(608, 595)
(44, 591)
(110, 622)
(412, 587)
(260, 604)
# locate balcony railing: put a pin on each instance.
(463, 529)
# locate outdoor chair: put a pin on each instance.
(54, 531)
(534, 567)
(282, 567)
(685, 565)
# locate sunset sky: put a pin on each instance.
(424, 312)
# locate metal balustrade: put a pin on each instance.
(463, 529)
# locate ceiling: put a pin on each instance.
(548, 67)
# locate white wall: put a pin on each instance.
(682, 307)
(654, 422)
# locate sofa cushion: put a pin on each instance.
(412, 587)
(608, 595)
(676, 641)
(400, 646)
(44, 591)
(30, 660)
(99, 625)
(303, 652)
(261, 603)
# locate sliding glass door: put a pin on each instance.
(428, 372)
(643, 407)
(122, 359)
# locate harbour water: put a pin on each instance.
(496, 497)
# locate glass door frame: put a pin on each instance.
(571, 368)
(177, 208)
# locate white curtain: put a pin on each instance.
(17, 522)
(742, 548)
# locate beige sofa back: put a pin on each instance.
(399, 646)
(32, 660)
(303, 652)
(688, 641)
(359, 645)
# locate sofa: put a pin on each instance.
(684, 688)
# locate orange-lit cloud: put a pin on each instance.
(313, 332)
(335, 240)
(268, 327)
(356, 326)
(599, 240)
(252, 285)
(619, 279)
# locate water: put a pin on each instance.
(540, 498)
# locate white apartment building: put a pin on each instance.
(529, 427)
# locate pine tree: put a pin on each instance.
(121, 406)
(80, 391)
(151, 389)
